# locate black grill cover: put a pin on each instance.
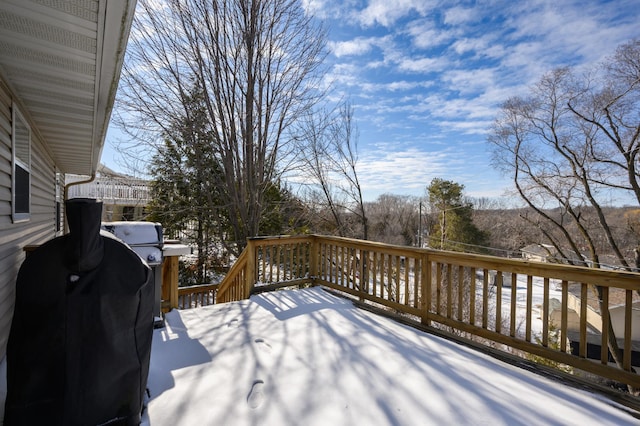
(80, 340)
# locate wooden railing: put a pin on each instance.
(197, 296)
(236, 284)
(488, 299)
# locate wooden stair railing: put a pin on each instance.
(234, 285)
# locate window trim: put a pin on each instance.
(17, 117)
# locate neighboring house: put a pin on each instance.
(618, 317)
(616, 311)
(594, 321)
(546, 253)
(59, 69)
(123, 197)
(539, 252)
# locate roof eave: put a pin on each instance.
(62, 63)
(109, 63)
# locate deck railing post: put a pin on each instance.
(314, 249)
(170, 266)
(251, 274)
(425, 288)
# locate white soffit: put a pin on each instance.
(63, 60)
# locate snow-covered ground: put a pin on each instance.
(537, 300)
(306, 357)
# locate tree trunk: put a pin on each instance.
(612, 342)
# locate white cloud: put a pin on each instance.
(459, 15)
(422, 65)
(434, 78)
(467, 81)
(387, 12)
(406, 85)
(426, 34)
(357, 46)
(391, 168)
(407, 170)
(467, 127)
(341, 77)
(314, 7)
(465, 45)
(328, 9)
(571, 33)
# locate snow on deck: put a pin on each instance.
(306, 357)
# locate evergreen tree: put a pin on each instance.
(284, 213)
(184, 190)
(452, 227)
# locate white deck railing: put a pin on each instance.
(136, 193)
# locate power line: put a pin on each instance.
(509, 253)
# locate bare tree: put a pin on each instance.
(570, 146)
(330, 157)
(259, 64)
(394, 219)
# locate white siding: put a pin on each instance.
(41, 225)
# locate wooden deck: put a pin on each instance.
(307, 357)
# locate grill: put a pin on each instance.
(145, 238)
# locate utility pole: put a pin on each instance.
(420, 226)
(443, 228)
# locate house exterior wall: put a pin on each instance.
(40, 227)
(617, 320)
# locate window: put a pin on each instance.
(21, 161)
(128, 213)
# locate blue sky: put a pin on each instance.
(426, 77)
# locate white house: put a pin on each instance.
(539, 252)
(123, 197)
(59, 69)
